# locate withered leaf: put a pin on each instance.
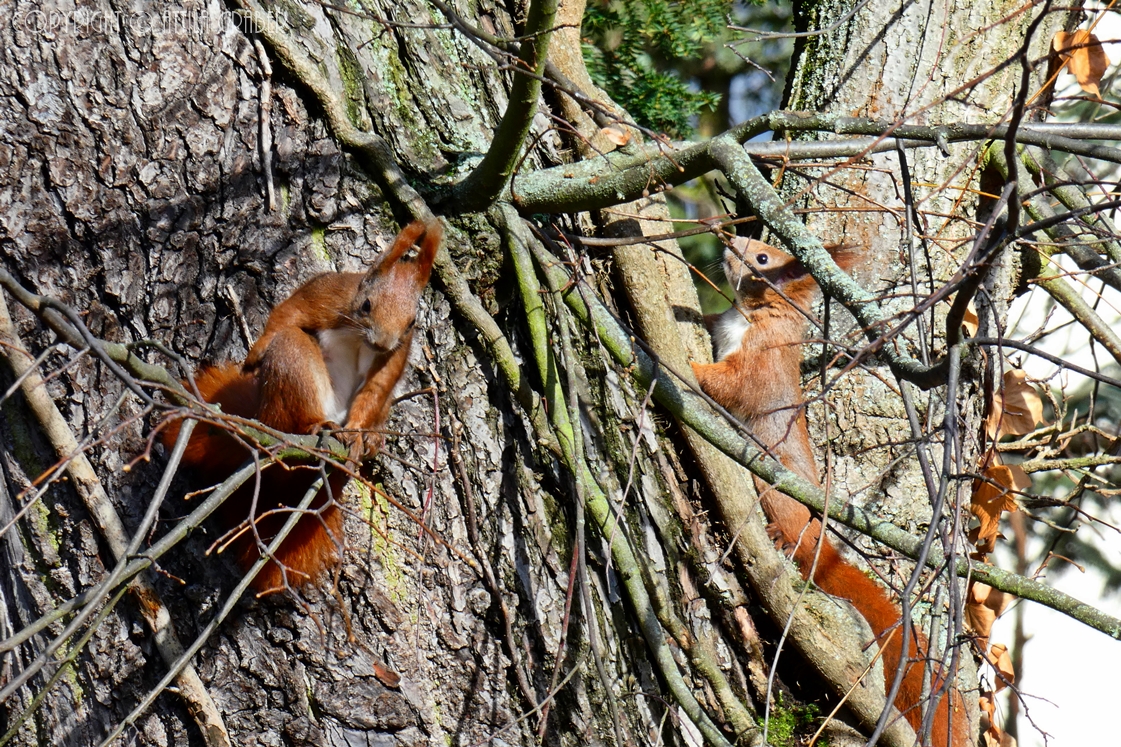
(983, 606)
(1016, 408)
(983, 546)
(993, 496)
(988, 707)
(1082, 54)
(617, 134)
(1002, 663)
(969, 320)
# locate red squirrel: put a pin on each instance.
(757, 378)
(329, 357)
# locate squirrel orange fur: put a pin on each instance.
(330, 354)
(757, 378)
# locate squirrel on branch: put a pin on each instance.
(329, 358)
(757, 379)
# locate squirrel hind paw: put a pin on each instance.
(774, 531)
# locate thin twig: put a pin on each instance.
(92, 493)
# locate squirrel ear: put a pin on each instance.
(404, 241)
(845, 255)
(433, 235)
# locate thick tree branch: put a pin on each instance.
(1067, 138)
(622, 177)
(491, 176)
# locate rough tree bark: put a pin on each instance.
(141, 149)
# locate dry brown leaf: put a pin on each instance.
(992, 737)
(994, 599)
(991, 734)
(617, 134)
(993, 496)
(983, 546)
(1082, 54)
(1020, 479)
(1002, 663)
(386, 676)
(988, 707)
(969, 320)
(1016, 408)
(979, 619)
(983, 606)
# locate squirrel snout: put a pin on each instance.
(383, 341)
(386, 335)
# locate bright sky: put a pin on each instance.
(1071, 679)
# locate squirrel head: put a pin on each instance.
(755, 270)
(385, 306)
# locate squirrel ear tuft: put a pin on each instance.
(433, 235)
(845, 255)
(401, 245)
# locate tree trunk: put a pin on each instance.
(917, 211)
(173, 174)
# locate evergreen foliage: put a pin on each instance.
(631, 48)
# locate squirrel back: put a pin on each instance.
(213, 452)
(757, 378)
(329, 356)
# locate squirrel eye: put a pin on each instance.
(762, 259)
(365, 306)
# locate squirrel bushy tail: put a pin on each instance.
(836, 576)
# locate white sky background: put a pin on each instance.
(1072, 674)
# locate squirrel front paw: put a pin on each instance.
(360, 442)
